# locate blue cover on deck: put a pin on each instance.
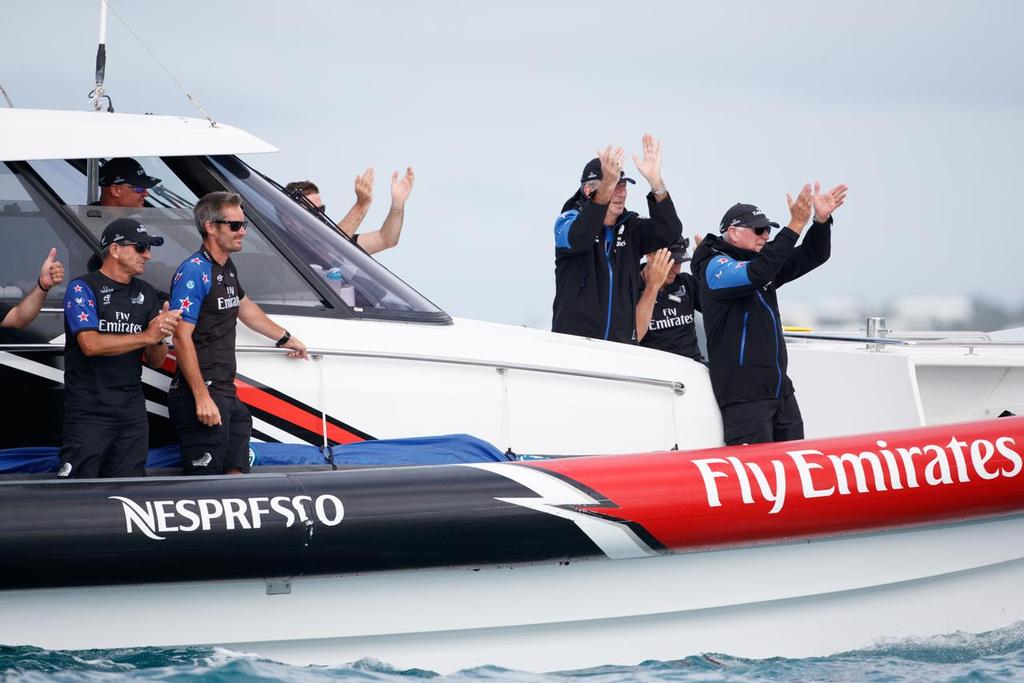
(424, 450)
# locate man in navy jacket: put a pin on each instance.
(598, 246)
(738, 274)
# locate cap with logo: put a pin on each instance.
(679, 249)
(592, 171)
(125, 171)
(747, 216)
(128, 231)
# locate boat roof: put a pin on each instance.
(49, 134)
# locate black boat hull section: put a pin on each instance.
(65, 533)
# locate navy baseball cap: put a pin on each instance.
(125, 171)
(745, 215)
(128, 230)
(679, 249)
(592, 171)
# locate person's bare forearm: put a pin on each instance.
(353, 219)
(255, 319)
(644, 312)
(93, 343)
(26, 310)
(391, 230)
(155, 354)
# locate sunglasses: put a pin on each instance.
(141, 248)
(136, 188)
(234, 225)
(757, 231)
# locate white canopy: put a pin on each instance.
(47, 134)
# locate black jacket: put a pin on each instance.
(672, 326)
(597, 268)
(746, 347)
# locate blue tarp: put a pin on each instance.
(425, 450)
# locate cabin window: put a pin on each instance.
(29, 227)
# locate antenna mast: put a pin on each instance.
(101, 57)
(92, 166)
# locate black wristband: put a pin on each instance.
(39, 283)
(283, 340)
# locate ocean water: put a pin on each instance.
(994, 656)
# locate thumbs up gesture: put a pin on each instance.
(51, 273)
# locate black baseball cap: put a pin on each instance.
(746, 215)
(125, 171)
(128, 230)
(679, 249)
(592, 171)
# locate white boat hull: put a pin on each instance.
(794, 599)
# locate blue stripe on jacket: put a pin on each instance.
(562, 225)
(723, 272)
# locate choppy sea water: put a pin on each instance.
(994, 656)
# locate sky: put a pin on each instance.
(917, 106)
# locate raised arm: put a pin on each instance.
(654, 274)
(391, 231)
(575, 230)
(364, 197)
(51, 274)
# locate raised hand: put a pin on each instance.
(611, 165)
(364, 188)
(800, 209)
(51, 273)
(825, 204)
(697, 239)
(658, 265)
(650, 165)
(401, 187)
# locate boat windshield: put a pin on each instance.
(363, 285)
(290, 258)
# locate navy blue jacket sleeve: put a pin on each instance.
(575, 231)
(662, 229)
(812, 252)
(727, 278)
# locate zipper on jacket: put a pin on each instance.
(743, 336)
(775, 326)
(609, 237)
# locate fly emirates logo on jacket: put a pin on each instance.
(230, 301)
(814, 474)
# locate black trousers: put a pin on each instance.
(762, 421)
(91, 449)
(211, 450)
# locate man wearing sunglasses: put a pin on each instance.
(112, 321)
(738, 274)
(124, 183)
(214, 426)
(376, 240)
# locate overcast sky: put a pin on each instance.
(917, 106)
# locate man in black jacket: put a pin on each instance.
(738, 274)
(598, 246)
(665, 314)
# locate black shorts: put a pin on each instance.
(211, 450)
(91, 449)
(762, 421)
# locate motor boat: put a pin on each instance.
(608, 525)
(788, 549)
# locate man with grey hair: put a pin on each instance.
(599, 244)
(214, 426)
(738, 275)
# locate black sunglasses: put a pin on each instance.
(141, 248)
(234, 225)
(757, 231)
